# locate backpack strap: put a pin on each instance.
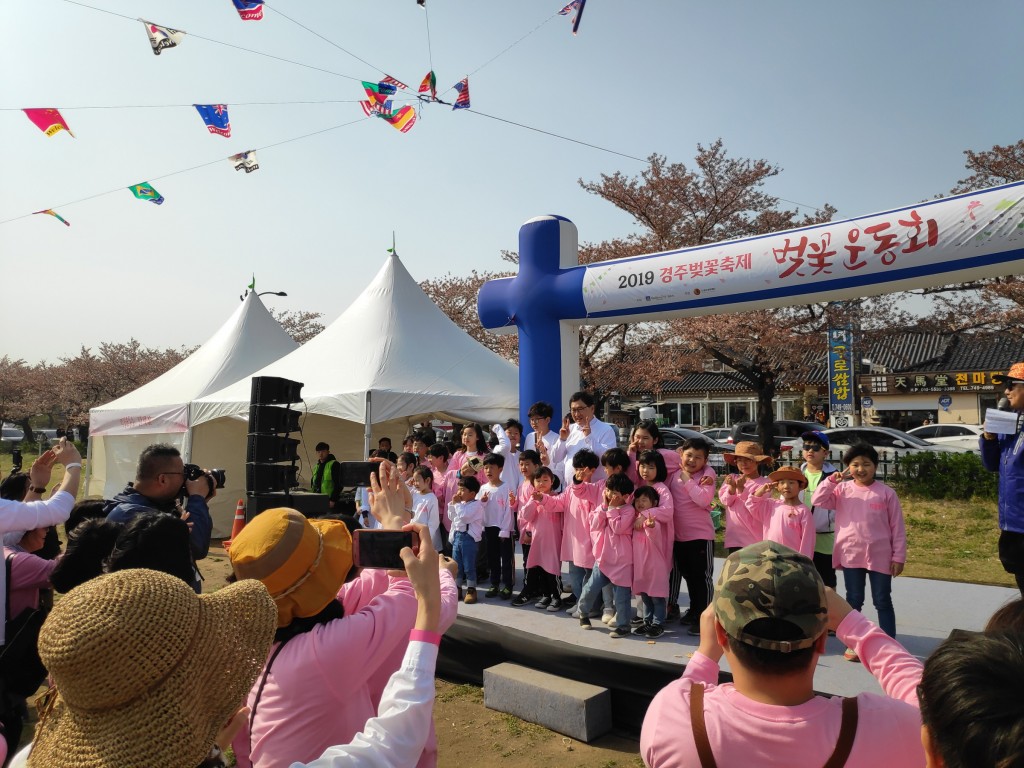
(7, 588)
(700, 727)
(847, 733)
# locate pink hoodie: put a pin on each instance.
(870, 532)
(613, 548)
(784, 523)
(577, 544)
(545, 520)
(652, 547)
(692, 505)
(740, 530)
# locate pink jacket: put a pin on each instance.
(746, 732)
(652, 547)
(870, 532)
(545, 520)
(692, 505)
(613, 548)
(672, 463)
(29, 574)
(787, 524)
(577, 545)
(523, 495)
(740, 530)
(445, 485)
(317, 693)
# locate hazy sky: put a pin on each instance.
(864, 105)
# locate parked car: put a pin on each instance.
(673, 437)
(884, 439)
(718, 434)
(785, 429)
(962, 436)
(12, 434)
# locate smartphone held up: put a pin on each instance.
(380, 549)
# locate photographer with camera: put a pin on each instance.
(164, 483)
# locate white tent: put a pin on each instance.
(392, 359)
(157, 412)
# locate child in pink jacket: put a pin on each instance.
(740, 530)
(652, 558)
(583, 497)
(613, 554)
(543, 513)
(529, 463)
(785, 520)
(871, 539)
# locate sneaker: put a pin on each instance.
(636, 621)
(851, 655)
(640, 629)
(693, 630)
(618, 632)
(570, 600)
(608, 617)
(584, 623)
(570, 608)
(470, 596)
(556, 604)
(574, 612)
(544, 602)
(655, 630)
(492, 592)
(673, 613)
(687, 617)
(505, 594)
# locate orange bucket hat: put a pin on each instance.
(748, 450)
(789, 473)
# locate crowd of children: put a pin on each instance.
(636, 523)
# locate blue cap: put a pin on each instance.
(817, 436)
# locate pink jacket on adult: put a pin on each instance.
(317, 693)
(789, 524)
(545, 520)
(613, 547)
(356, 595)
(870, 532)
(746, 732)
(652, 547)
(740, 530)
(691, 503)
(577, 545)
(29, 574)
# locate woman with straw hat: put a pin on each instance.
(332, 654)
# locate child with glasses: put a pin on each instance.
(816, 467)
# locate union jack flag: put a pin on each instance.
(462, 102)
(569, 8)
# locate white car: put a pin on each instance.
(962, 436)
(886, 440)
(718, 434)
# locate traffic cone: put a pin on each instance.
(237, 525)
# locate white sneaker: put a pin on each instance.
(575, 613)
(608, 618)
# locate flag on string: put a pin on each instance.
(374, 108)
(395, 82)
(403, 119)
(577, 6)
(249, 10)
(49, 121)
(462, 101)
(378, 92)
(55, 215)
(429, 84)
(145, 191)
(216, 118)
(245, 161)
(161, 37)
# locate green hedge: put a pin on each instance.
(944, 476)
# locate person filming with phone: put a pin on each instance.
(164, 483)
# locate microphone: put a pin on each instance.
(1003, 404)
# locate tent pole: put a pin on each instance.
(367, 425)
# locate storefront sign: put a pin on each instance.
(952, 381)
(840, 371)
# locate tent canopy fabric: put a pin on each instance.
(394, 346)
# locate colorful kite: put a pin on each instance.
(378, 92)
(577, 6)
(216, 118)
(392, 81)
(249, 10)
(403, 119)
(48, 120)
(376, 108)
(429, 84)
(245, 161)
(55, 215)
(145, 191)
(161, 37)
(462, 102)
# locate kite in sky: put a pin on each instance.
(216, 118)
(462, 102)
(55, 215)
(249, 10)
(429, 84)
(145, 191)
(245, 161)
(577, 6)
(162, 37)
(48, 120)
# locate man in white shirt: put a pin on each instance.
(581, 429)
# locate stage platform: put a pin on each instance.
(635, 668)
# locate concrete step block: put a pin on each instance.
(579, 710)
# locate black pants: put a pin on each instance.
(500, 557)
(1011, 555)
(693, 561)
(548, 583)
(823, 563)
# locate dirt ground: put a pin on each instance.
(468, 733)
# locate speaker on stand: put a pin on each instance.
(271, 470)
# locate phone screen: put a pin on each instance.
(379, 549)
(357, 473)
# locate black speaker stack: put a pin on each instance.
(271, 455)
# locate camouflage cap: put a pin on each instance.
(770, 581)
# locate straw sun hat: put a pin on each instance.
(748, 450)
(146, 671)
(303, 563)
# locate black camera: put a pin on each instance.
(215, 477)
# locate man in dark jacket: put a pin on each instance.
(1005, 454)
(158, 487)
(327, 474)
